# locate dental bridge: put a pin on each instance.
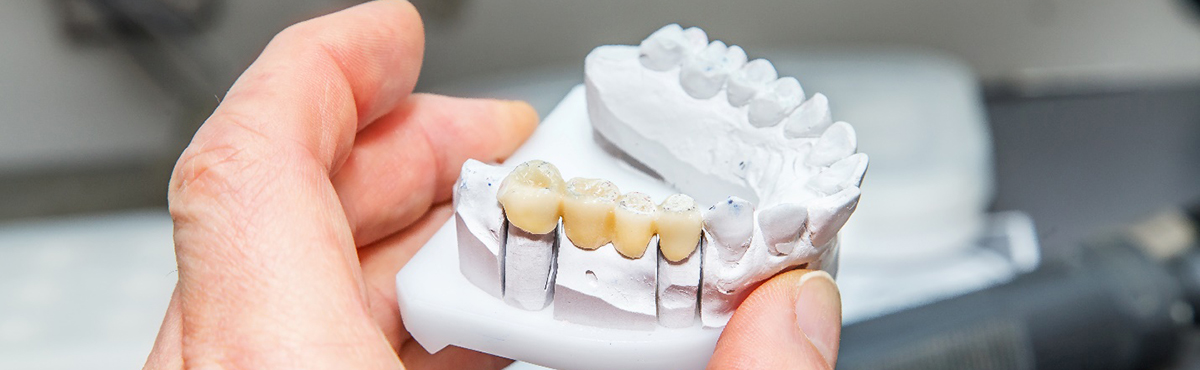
(732, 175)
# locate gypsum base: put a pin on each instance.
(440, 307)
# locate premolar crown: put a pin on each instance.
(748, 80)
(703, 75)
(635, 221)
(532, 196)
(810, 119)
(679, 226)
(664, 49)
(588, 212)
(775, 102)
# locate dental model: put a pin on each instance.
(765, 179)
(727, 131)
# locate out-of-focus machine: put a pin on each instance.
(1119, 301)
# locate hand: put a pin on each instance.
(319, 176)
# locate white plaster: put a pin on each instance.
(803, 175)
(730, 224)
(810, 119)
(837, 142)
(679, 289)
(480, 224)
(601, 287)
(748, 80)
(529, 268)
(703, 75)
(774, 102)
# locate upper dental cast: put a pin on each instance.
(727, 131)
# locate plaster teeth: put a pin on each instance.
(846, 172)
(775, 102)
(827, 214)
(679, 226)
(665, 49)
(730, 226)
(696, 39)
(810, 119)
(532, 196)
(837, 142)
(782, 226)
(480, 225)
(748, 80)
(634, 221)
(703, 75)
(587, 212)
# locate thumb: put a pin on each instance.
(792, 321)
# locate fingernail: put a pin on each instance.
(819, 313)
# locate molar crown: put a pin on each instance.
(587, 212)
(532, 196)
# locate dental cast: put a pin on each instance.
(781, 178)
(781, 175)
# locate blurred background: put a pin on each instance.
(1001, 132)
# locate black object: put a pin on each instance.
(1119, 302)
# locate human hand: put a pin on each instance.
(321, 174)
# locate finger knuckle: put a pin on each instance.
(223, 169)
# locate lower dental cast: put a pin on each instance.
(781, 175)
(594, 266)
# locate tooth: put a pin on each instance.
(748, 80)
(729, 225)
(532, 196)
(587, 212)
(529, 268)
(696, 39)
(605, 289)
(679, 289)
(679, 225)
(782, 226)
(826, 215)
(735, 57)
(480, 225)
(837, 142)
(664, 49)
(634, 224)
(810, 119)
(703, 75)
(775, 101)
(845, 173)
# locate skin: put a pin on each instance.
(320, 175)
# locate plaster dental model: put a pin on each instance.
(763, 177)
